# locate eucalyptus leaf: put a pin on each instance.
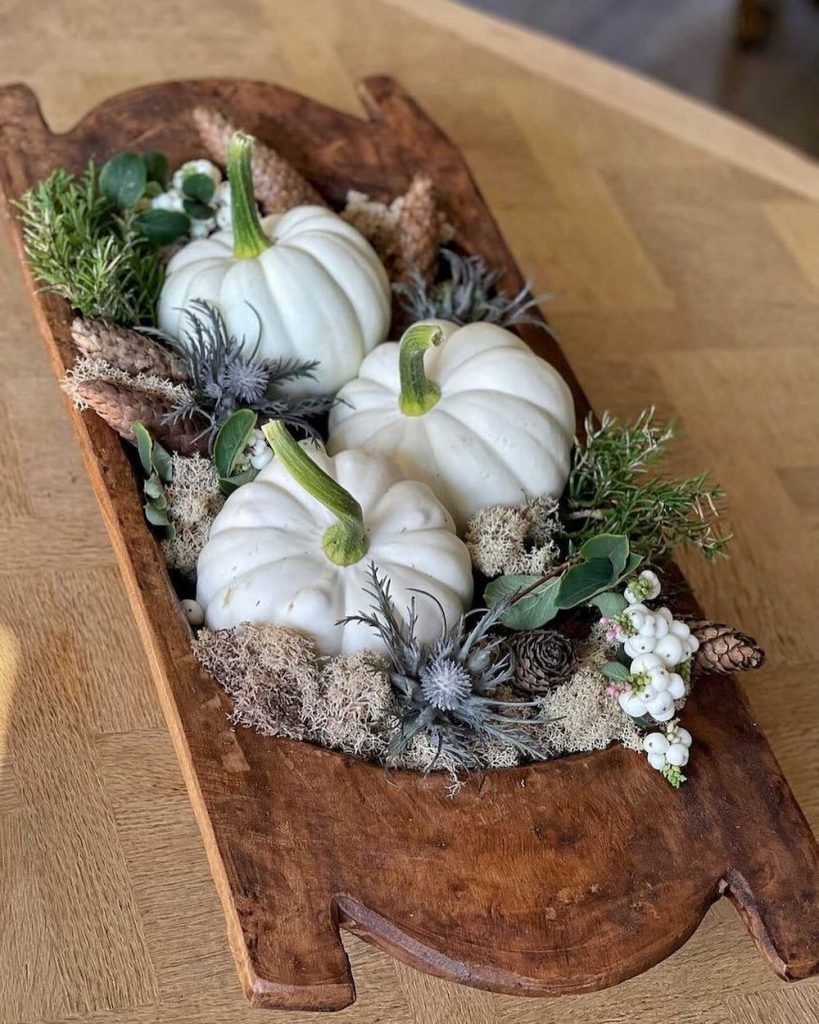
(161, 461)
(230, 484)
(123, 179)
(580, 583)
(610, 603)
(613, 546)
(156, 516)
(153, 488)
(156, 166)
(145, 446)
(196, 209)
(615, 671)
(232, 440)
(199, 186)
(529, 612)
(161, 226)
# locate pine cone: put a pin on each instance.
(724, 649)
(542, 658)
(126, 349)
(419, 230)
(120, 406)
(277, 185)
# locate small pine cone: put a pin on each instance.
(419, 230)
(126, 349)
(277, 185)
(724, 649)
(542, 659)
(120, 406)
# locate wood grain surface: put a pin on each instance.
(124, 920)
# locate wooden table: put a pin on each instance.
(681, 250)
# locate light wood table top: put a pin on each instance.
(682, 252)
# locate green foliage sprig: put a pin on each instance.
(611, 490)
(92, 240)
(157, 467)
(586, 577)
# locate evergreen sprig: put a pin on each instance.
(612, 489)
(83, 247)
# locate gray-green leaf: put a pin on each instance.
(583, 581)
(610, 603)
(123, 179)
(530, 612)
(615, 671)
(199, 186)
(161, 226)
(613, 546)
(232, 440)
(145, 446)
(156, 166)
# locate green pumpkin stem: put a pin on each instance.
(345, 542)
(249, 241)
(418, 393)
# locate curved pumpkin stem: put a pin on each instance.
(249, 240)
(418, 393)
(345, 542)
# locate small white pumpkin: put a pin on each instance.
(305, 283)
(471, 411)
(294, 548)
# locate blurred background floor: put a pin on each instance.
(758, 59)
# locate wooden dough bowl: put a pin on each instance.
(561, 877)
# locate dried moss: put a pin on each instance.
(89, 368)
(280, 687)
(194, 500)
(514, 540)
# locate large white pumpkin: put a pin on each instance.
(471, 411)
(305, 283)
(279, 554)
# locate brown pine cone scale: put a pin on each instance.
(724, 649)
(542, 659)
(128, 350)
(120, 407)
(419, 229)
(277, 185)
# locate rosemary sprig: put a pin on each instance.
(82, 247)
(611, 490)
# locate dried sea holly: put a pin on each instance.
(468, 294)
(447, 691)
(225, 374)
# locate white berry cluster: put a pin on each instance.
(657, 644)
(257, 452)
(174, 198)
(668, 751)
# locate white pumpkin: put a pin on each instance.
(471, 411)
(305, 283)
(294, 548)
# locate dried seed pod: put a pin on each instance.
(724, 649)
(542, 658)
(277, 185)
(419, 230)
(126, 349)
(120, 406)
